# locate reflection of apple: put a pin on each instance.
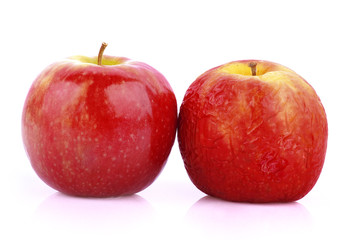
(253, 131)
(99, 126)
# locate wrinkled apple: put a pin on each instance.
(253, 131)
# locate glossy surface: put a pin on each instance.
(253, 138)
(99, 131)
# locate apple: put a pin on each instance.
(99, 126)
(252, 131)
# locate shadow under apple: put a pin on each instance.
(213, 216)
(93, 216)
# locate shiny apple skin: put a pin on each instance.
(99, 131)
(247, 140)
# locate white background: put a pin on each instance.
(181, 39)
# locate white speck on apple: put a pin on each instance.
(132, 136)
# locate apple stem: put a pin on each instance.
(100, 54)
(253, 66)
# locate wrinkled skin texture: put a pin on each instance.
(253, 138)
(99, 131)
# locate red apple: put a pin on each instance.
(99, 127)
(253, 131)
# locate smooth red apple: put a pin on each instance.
(253, 131)
(99, 127)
